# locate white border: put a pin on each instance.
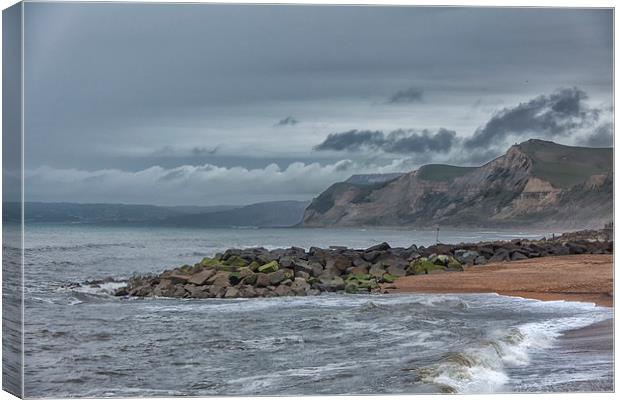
(479, 3)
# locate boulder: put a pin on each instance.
(351, 287)
(371, 256)
(480, 260)
(466, 256)
(359, 262)
(231, 292)
(247, 291)
(300, 287)
(332, 283)
(379, 247)
(235, 261)
(574, 248)
(200, 292)
(358, 270)
(377, 271)
(397, 270)
(286, 262)
(262, 280)
(423, 266)
(201, 277)
(221, 278)
(280, 276)
(516, 256)
(272, 266)
(500, 255)
(176, 278)
(303, 275)
(283, 290)
(339, 263)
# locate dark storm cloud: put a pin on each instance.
(411, 95)
(603, 136)
(287, 121)
(396, 142)
(203, 151)
(557, 114)
(352, 140)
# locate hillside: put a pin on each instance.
(535, 184)
(267, 214)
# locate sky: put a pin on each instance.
(179, 104)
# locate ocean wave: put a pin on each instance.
(481, 367)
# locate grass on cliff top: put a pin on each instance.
(566, 166)
(442, 172)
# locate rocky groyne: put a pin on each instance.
(258, 272)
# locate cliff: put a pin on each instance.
(535, 184)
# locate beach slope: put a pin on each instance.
(573, 278)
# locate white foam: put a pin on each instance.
(480, 369)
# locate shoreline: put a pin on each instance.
(584, 278)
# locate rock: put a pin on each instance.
(389, 278)
(423, 266)
(250, 279)
(359, 262)
(440, 259)
(231, 292)
(201, 277)
(301, 274)
(286, 262)
(283, 290)
(466, 256)
(210, 262)
(235, 261)
(379, 247)
(332, 283)
(247, 291)
(559, 250)
(397, 270)
(262, 280)
(179, 291)
(499, 256)
(300, 287)
(351, 288)
(121, 291)
(280, 276)
(358, 271)
(272, 266)
(339, 263)
(377, 271)
(253, 266)
(574, 248)
(311, 268)
(516, 256)
(480, 260)
(200, 292)
(371, 256)
(178, 278)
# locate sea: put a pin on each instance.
(80, 341)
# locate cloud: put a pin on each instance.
(203, 151)
(558, 114)
(397, 142)
(196, 184)
(288, 121)
(411, 95)
(603, 136)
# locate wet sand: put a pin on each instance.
(587, 277)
